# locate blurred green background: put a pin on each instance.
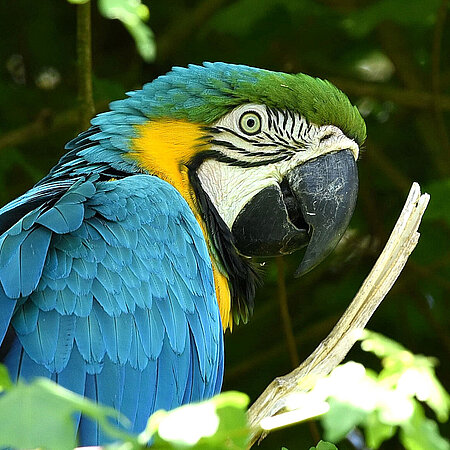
(389, 56)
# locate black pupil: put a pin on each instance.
(251, 123)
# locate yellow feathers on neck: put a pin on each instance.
(164, 148)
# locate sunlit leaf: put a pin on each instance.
(144, 39)
(352, 384)
(382, 403)
(5, 380)
(322, 445)
(133, 14)
(421, 433)
(376, 432)
(206, 425)
(412, 375)
(395, 407)
(380, 345)
(41, 414)
(421, 381)
(341, 419)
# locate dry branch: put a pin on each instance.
(84, 63)
(333, 349)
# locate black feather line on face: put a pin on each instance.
(244, 151)
(284, 141)
(269, 118)
(266, 157)
(238, 163)
(242, 273)
(285, 118)
(293, 123)
(219, 129)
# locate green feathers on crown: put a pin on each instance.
(205, 93)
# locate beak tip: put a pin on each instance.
(304, 267)
(328, 187)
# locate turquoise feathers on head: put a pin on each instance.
(205, 93)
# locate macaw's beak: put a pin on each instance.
(312, 206)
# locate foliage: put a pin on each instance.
(388, 401)
(322, 445)
(217, 423)
(133, 14)
(41, 413)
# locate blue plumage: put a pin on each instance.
(106, 284)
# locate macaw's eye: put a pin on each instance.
(250, 123)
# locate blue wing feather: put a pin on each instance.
(113, 293)
(129, 407)
(73, 377)
(83, 307)
(25, 318)
(63, 351)
(89, 430)
(7, 306)
(147, 395)
(89, 340)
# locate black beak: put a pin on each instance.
(326, 189)
(312, 207)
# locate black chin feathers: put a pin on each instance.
(242, 273)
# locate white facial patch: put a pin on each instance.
(256, 147)
(230, 188)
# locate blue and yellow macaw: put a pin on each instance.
(121, 269)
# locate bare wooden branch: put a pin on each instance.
(84, 62)
(333, 349)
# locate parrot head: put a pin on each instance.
(266, 161)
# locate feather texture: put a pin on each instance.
(110, 281)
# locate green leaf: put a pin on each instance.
(30, 418)
(380, 345)
(78, 2)
(144, 39)
(322, 445)
(5, 380)
(421, 433)
(133, 14)
(421, 381)
(40, 414)
(341, 419)
(376, 431)
(220, 422)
